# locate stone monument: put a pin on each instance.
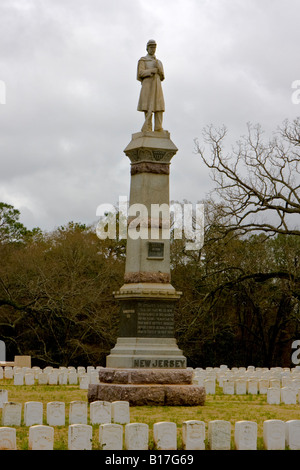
(147, 298)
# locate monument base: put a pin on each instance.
(160, 387)
(146, 353)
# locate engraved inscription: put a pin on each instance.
(160, 363)
(155, 250)
(155, 319)
(147, 319)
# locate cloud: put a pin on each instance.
(69, 69)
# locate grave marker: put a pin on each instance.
(56, 415)
(80, 437)
(111, 436)
(136, 436)
(8, 439)
(41, 437)
(193, 435)
(274, 434)
(219, 435)
(33, 413)
(245, 435)
(165, 435)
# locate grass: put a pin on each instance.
(219, 406)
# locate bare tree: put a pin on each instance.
(259, 182)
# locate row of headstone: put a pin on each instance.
(246, 380)
(257, 379)
(277, 435)
(51, 376)
(101, 412)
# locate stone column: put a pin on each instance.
(147, 298)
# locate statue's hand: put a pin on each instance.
(154, 71)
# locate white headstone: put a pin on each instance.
(29, 378)
(11, 414)
(80, 437)
(78, 412)
(111, 436)
(274, 383)
(136, 436)
(8, 372)
(274, 434)
(198, 380)
(72, 377)
(273, 396)
(228, 387)
(36, 370)
(18, 378)
(245, 435)
(210, 386)
(8, 439)
(193, 435)
(53, 377)
(100, 412)
(219, 435)
(240, 386)
(84, 382)
(252, 386)
(56, 415)
(3, 397)
(41, 437)
(288, 396)
(165, 435)
(263, 385)
(62, 377)
(33, 413)
(1, 373)
(94, 377)
(120, 412)
(43, 378)
(286, 381)
(292, 434)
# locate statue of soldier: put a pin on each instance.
(150, 73)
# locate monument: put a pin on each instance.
(146, 358)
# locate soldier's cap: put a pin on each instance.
(151, 41)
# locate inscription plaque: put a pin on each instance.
(147, 319)
(155, 250)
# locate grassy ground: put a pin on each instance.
(228, 407)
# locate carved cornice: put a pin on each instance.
(150, 167)
(143, 154)
(142, 276)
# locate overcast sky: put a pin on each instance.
(69, 69)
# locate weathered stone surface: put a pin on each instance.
(135, 394)
(149, 376)
(139, 395)
(184, 395)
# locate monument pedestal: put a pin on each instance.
(147, 298)
(147, 387)
(146, 334)
(146, 353)
(146, 367)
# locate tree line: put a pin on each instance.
(241, 290)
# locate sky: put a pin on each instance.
(69, 94)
